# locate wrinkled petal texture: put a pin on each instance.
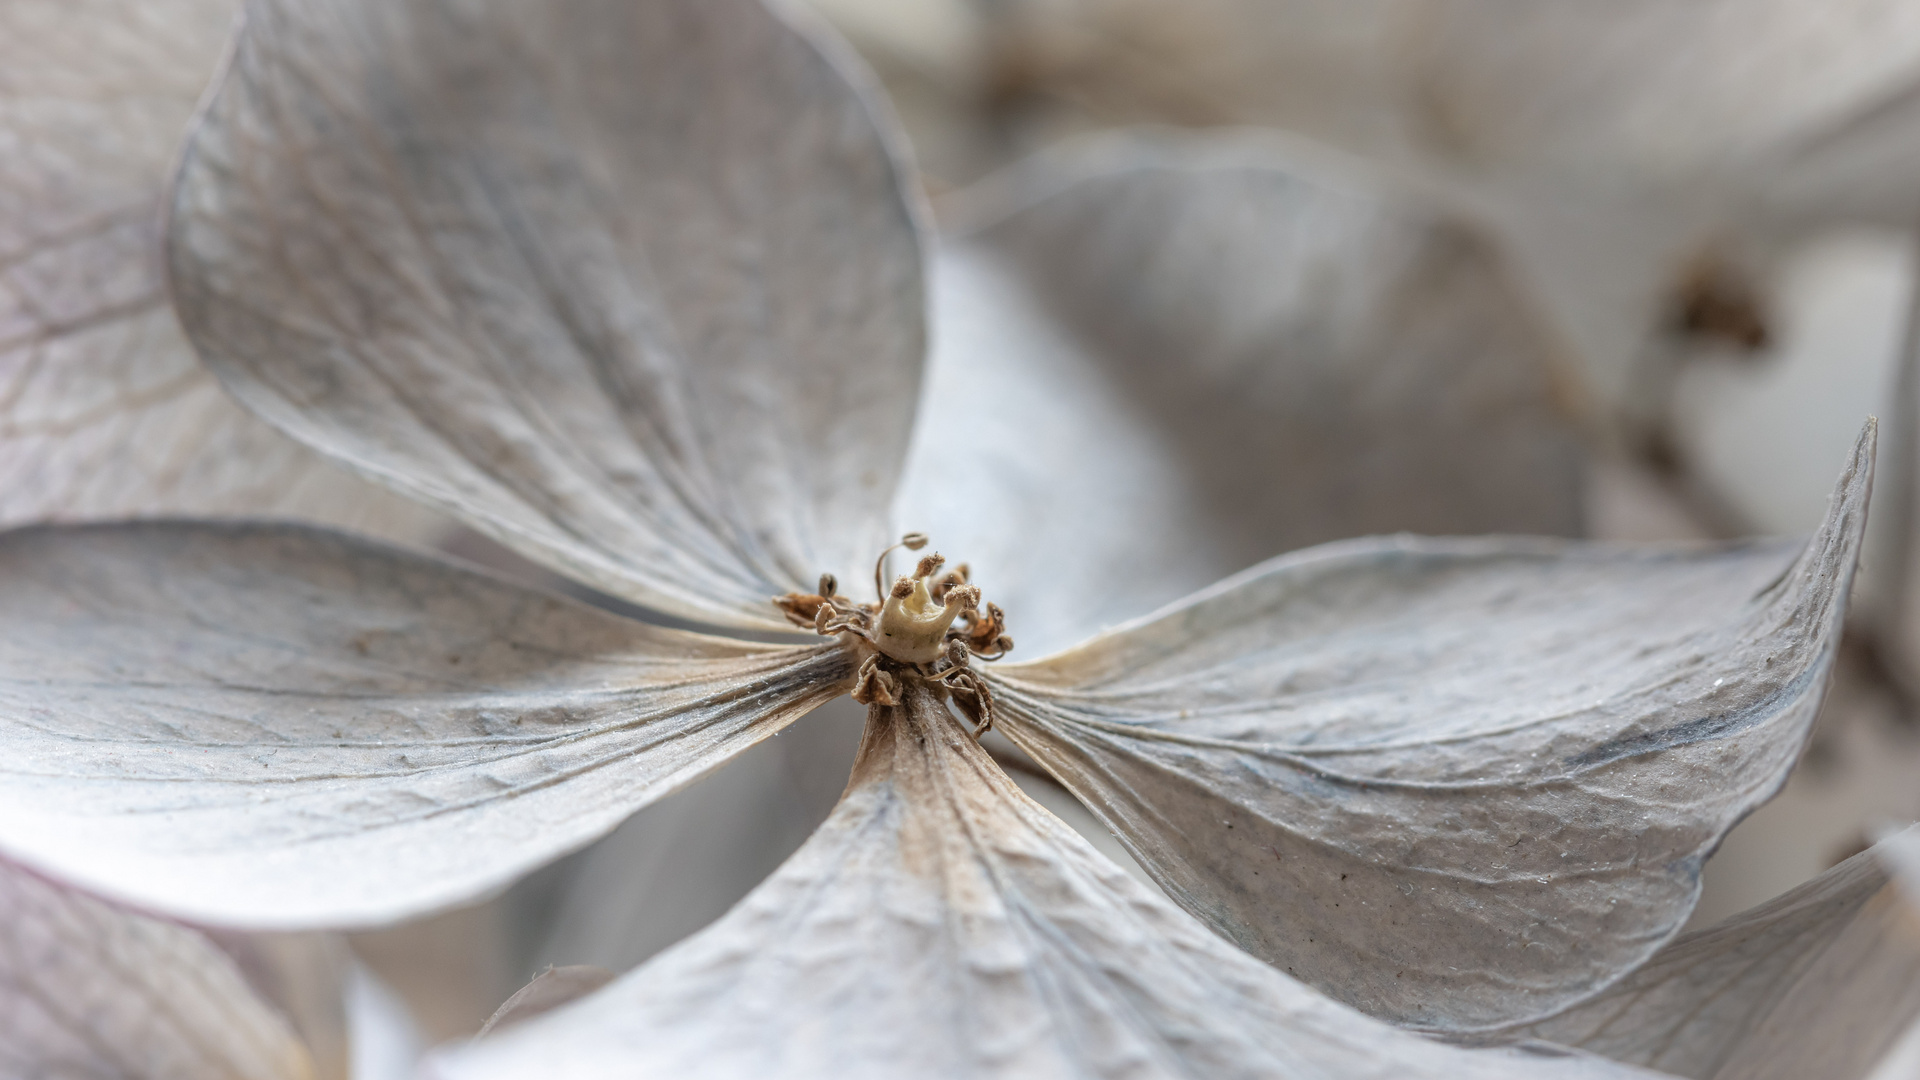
(272, 726)
(1159, 361)
(1820, 981)
(630, 286)
(105, 411)
(943, 925)
(1452, 782)
(89, 991)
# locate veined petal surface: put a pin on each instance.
(1456, 783)
(1820, 981)
(942, 925)
(273, 726)
(105, 411)
(631, 286)
(1161, 360)
(90, 990)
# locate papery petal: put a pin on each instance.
(630, 286)
(1159, 361)
(105, 411)
(88, 989)
(272, 726)
(1453, 782)
(941, 924)
(1820, 981)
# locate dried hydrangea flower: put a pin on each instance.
(634, 288)
(1232, 351)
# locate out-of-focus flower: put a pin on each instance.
(1633, 153)
(90, 989)
(634, 289)
(105, 412)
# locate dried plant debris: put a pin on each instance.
(635, 288)
(1821, 981)
(104, 409)
(88, 989)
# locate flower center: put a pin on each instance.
(928, 626)
(913, 625)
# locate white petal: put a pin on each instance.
(1453, 782)
(1160, 361)
(1820, 981)
(90, 990)
(104, 409)
(630, 286)
(941, 924)
(270, 726)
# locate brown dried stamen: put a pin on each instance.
(928, 626)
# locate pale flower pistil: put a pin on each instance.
(909, 631)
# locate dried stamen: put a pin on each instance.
(875, 685)
(911, 633)
(912, 541)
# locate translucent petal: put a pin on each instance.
(1820, 981)
(1160, 361)
(272, 726)
(104, 409)
(631, 287)
(92, 990)
(943, 925)
(1453, 782)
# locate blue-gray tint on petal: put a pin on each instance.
(269, 726)
(1454, 782)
